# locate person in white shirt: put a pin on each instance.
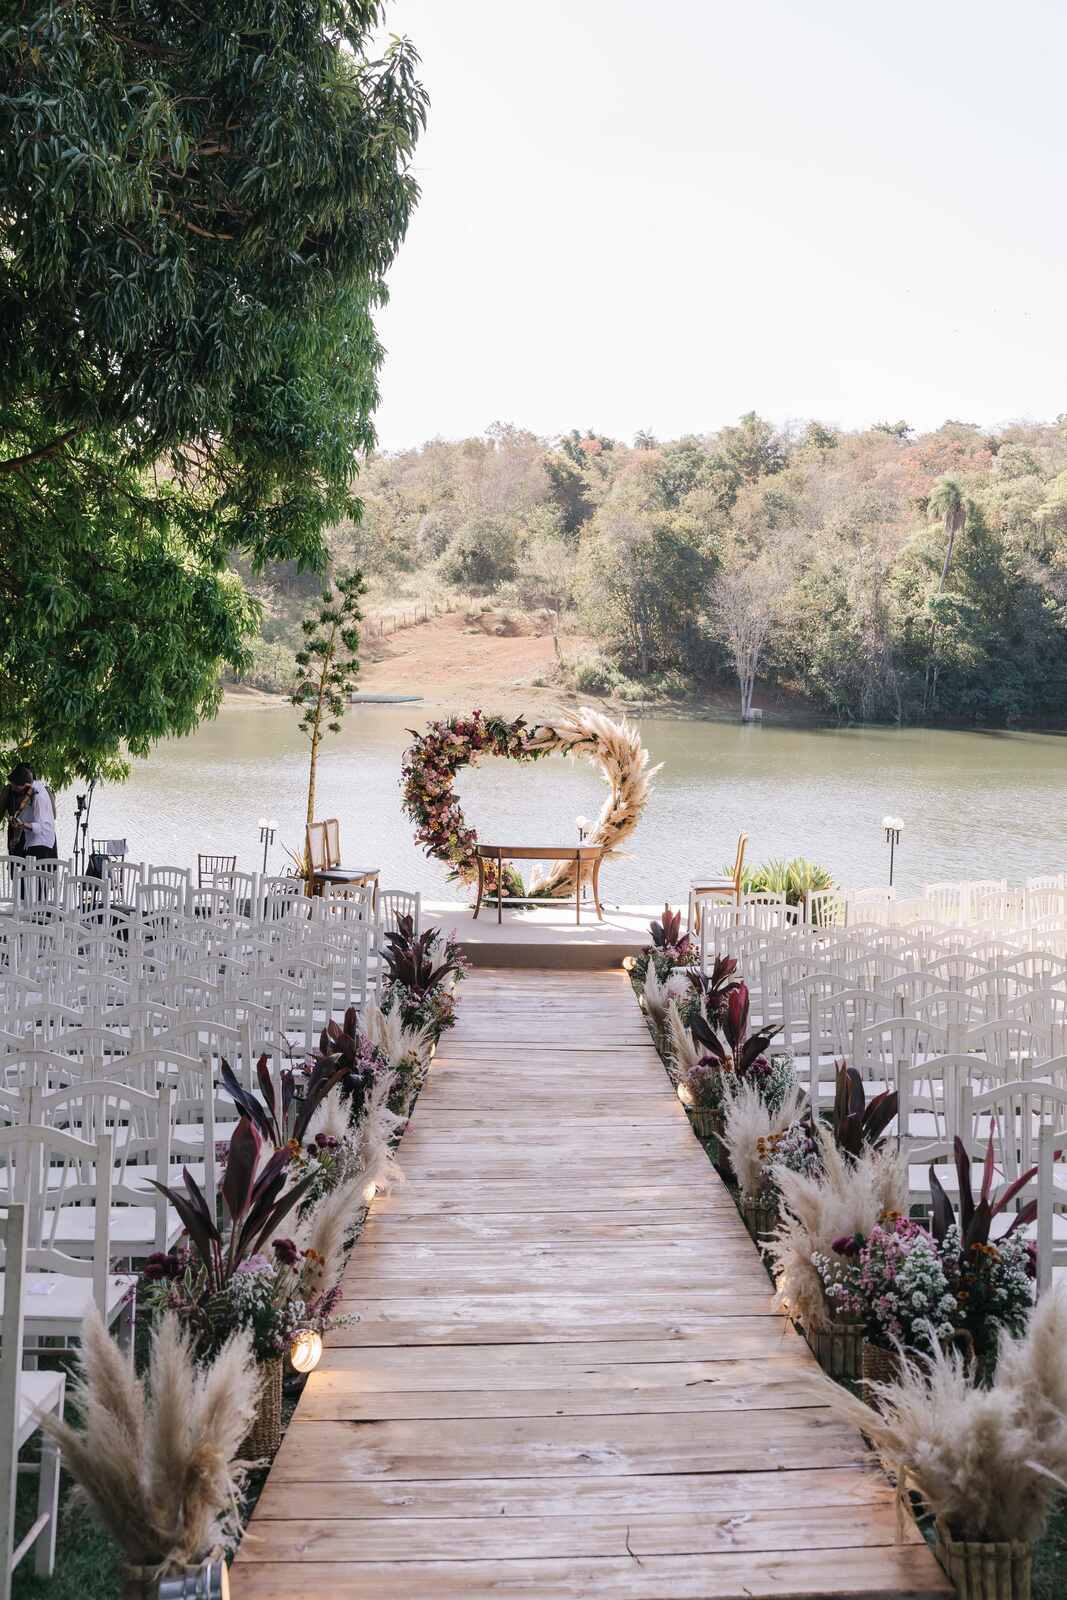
(31, 806)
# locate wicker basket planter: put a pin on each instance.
(265, 1434)
(879, 1365)
(838, 1349)
(985, 1571)
(760, 1217)
(707, 1121)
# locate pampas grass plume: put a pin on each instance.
(988, 1462)
(682, 1048)
(747, 1121)
(847, 1197)
(155, 1459)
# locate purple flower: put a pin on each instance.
(286, 1251)
(163, 1267)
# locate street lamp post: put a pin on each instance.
(892, 828)
(267, 830)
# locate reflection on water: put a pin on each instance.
(974, 805)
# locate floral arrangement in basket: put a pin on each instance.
(733, 1056)
(157, 1458)
(894, 1282)
(422, 973)
(670, 948)
(988, 1461)
(758, 1141)
(350, 1059)
(286, 1115)
(243, 1276)
(272, 1296)
(912, 1286)
(708, 992)
(826, 1196)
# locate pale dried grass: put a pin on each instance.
(386, 1030)
(988, 1462)
(377, 1131)
(683, 1053)
(154, 1459)
(325, 1231)
(747, 1122)
(331, 1117)
(623, 760)
(849, 1197)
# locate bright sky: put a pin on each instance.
(664, 213)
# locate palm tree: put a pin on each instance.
(948, 503)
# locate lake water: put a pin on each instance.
(974, 804)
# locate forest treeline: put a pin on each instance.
(881, 575)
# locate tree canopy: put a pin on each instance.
(908, 576)
(198, 207)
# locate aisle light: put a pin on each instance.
(305, 1352)
(211, 1581)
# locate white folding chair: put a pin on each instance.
(24, 1397)
(59, 1286)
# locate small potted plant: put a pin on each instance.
(752, 1137)
(993, 1281)
(732, 1056)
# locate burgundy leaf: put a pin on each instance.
(245, 1145)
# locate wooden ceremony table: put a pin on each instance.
(583, 855)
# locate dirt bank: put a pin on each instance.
(455, 666)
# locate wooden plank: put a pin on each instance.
(576, 1446)
(745, 1322)
(692, 1495)
(513, 1539)
(474, 1230)
(343, 1404)
(653, 1363)
(478, 1196)
(878, 1573)
(469, 1272)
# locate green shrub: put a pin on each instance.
(273, 667)
(794, 879)
(484, 553)
(594, 675)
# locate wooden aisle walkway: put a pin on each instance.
(566, 1381)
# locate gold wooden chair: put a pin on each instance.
(323, 840)
(717, 886)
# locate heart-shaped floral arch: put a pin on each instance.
(432, 762)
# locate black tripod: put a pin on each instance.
(82, 806)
